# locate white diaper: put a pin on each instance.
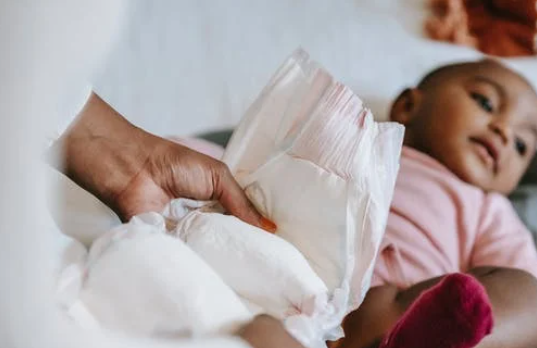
(141, 281)
(310, 158)
(264, 269)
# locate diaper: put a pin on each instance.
(264, 269)
(140, 281)
(312, 159)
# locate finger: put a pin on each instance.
(228, 192)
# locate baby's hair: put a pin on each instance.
(437, 73)
(440, 72)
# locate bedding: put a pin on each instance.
(525, 199)
(525, 202)
(496, 27)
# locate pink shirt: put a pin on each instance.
(438, 224)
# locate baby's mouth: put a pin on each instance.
(488, 152)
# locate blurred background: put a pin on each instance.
(184, 67)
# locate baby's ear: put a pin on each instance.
(406, 106)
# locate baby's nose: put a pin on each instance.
(503, 129)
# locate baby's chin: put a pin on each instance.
(476, 174)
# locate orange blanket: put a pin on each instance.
(504, 28)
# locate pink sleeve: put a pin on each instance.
(502, 238)
(377, 281)
(380, 272)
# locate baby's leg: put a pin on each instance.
(512, 294)
(455, 313)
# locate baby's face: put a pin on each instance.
(480, 121)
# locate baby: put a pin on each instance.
(471, 133)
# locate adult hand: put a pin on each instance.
(133, 171)
(172, 170)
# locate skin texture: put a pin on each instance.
(512, 293)
(267, 332)
(459, 115)
(454, 114)
(134, 172)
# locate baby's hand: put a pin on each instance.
(267, 332)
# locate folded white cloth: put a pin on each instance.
(141, 281)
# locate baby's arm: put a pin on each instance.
(504, 241)
(512, 293)
(504, 244)
(267, 332)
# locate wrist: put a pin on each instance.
(102, 152)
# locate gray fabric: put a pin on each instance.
(531, 176)
(525, 202)
(525, 199)
(218, 137)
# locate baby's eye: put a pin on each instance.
(483, 102)
(521, 147)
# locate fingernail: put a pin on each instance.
(268, 225)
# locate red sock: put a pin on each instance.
(456, 313)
